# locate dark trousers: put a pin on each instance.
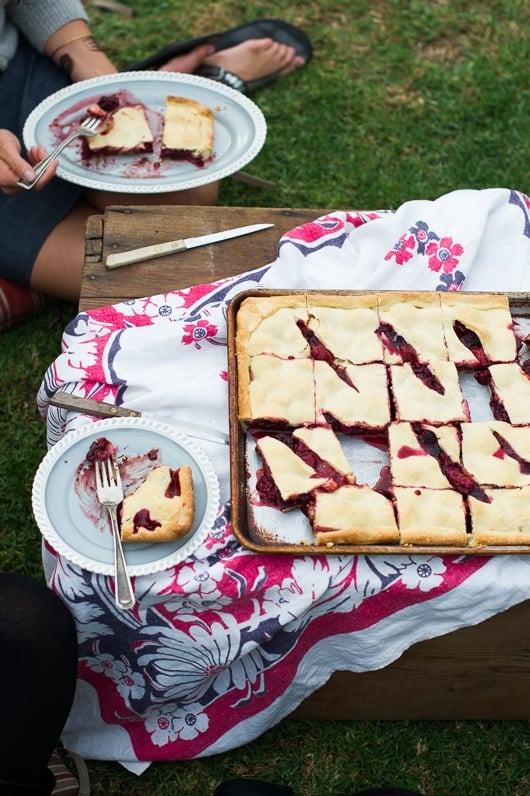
(38, 670)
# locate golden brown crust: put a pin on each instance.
(188, 127)
(335, 373)
(173, 516)
(487, 316)
(431, 517)
(503, 521)
(354, 514)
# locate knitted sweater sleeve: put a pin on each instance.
(38, 19)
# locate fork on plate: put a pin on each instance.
(88, 128)
(110, 494)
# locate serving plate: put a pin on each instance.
(265, 529)
(239, 132)
(65, 514)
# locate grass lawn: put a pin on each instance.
(404, 99)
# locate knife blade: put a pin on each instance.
(180, 245)
(101, 409)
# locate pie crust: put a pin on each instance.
(329, 371)
(188, 130)
(127, 132)
(161, 509)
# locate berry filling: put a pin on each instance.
(173, 488)
(507, 450)
(496, 405)
(142, 519)
(471, 340)
(456, 474)
(396, 344)
(100, 450)
(322, 353)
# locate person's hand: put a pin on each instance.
(14, 167)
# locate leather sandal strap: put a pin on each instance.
(220, 74)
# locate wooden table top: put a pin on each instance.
(128, 227)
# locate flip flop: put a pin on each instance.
(251, 787)
(275, 29)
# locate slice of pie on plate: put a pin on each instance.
(161, 509)
(188, 132)
(126, 133)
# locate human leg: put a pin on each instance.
(241, 56)
(59, 262)
(38, 670)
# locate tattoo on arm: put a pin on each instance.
(66, 64)
(65, 61)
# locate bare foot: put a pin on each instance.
(189, 61)
(257, 58)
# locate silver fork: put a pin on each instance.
(89, 127)
(110, 494)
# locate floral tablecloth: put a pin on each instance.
(224, 645)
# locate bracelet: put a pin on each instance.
(71, 41)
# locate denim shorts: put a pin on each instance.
(28, 218)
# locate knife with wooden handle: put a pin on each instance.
(175, 246)
(64, 400)
(88, 406)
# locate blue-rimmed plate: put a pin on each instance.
(62, 516)
(239, 132)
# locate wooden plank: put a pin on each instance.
(125, 228)
(479, 672)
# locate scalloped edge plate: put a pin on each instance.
(57, 509)
(240, 130)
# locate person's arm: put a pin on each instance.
(73, 48)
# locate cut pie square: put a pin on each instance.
(497, 453)
(511, 385)
(352, 396)
(346, 326)
(417, 318)
(127, 132)
(353, 514)
(505, 520)
(324, 444)
(431, 396)
(411, 464)
(270, 327)
(161, 509)
(287, 478)
(483, 324)
(279, 391)
(188, 132)
(431, 517)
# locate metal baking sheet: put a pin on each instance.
(265, 529)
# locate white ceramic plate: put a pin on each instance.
(239, 132)
(63, 523)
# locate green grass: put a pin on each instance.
(404, 99)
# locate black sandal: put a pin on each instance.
(275, 29)
(251, 787)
